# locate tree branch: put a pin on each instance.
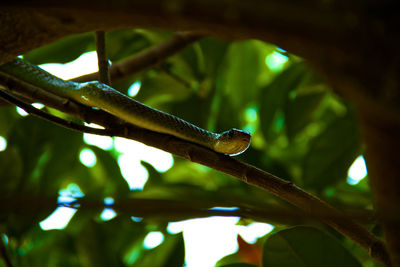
(176, 210)
(104, 74)
(285, 190)
(49, 117)
(147, 59)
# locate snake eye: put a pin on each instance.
(231, 133)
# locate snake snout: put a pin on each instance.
(233, 142)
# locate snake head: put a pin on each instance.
(232, 142)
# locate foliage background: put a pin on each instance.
(301, 130)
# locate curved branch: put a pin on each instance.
(250, 174)
(298, 27)
(49, 117)
(147, 59)
(175, 210)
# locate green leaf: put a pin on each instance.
(244, 63)
(108, 175)
(332, 153)
(305, 246)
(10, 177)
(62, 51)
(274, 95)
(171, 253)
(125, 43)
(213, 53)
(300, 110)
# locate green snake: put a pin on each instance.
(96, 94)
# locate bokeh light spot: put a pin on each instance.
(59, 219)
(108, 214)
(133, 90)
(357, 171)
(275, 61)
(3, 143)
(87, 157)
(152, 240)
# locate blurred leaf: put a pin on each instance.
(332, 153)
(32, 137)
(273, 96)
(10, 178)
(171, 253)
(125, 43)
(305, 246)
(104, 243)
(109, 175)
(160, 89)
(155, 178)
(300, 110)
(8, 117)
(244, 63)
(92, 248)
(61, 51)
(213, 53)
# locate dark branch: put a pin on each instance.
(104, 74)
(49, 117)
(147, 59)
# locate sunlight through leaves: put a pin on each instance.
(3, 143)
(87, 157)
(357, 171)
(152, 240)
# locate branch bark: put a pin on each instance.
(104, 74)
(174, 210)
(147, 59)
(382, 141)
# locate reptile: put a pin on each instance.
(102, 96)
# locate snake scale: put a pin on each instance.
(96, 94)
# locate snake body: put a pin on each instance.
(104, 97)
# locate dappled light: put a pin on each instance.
(87, 157)
(357, 171)
(108, 214)
(133, 172)
(85, 64)
(23, 113)
(133, 90)
(215, 237)
(103, 142)
(3, 143)
(276, 61)
(131, 155)
(59, 219)
(152, 240)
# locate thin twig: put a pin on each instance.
(148, 58)
(104, 74)
(168, 209)
(174, 76)
(49, 117)
(311, 205)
